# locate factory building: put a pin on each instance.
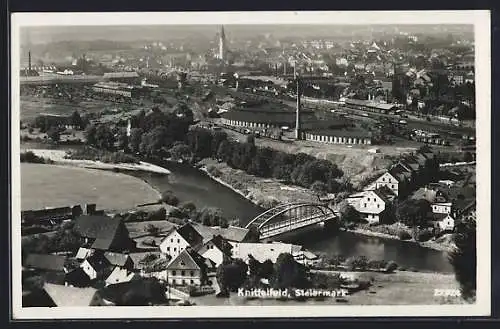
(115, 88)
(338, 136)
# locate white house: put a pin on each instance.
(442, 207)
(373, 204)
(270, 251)
(94, 266)
(216, 249)
(120, 275)
(388, 180)
(179, 239)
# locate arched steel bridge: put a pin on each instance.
(289, 217)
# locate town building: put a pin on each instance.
(375, 205)
(339, 136)
(65, 296)
(120, 275)
(178, 239)
(270, 251)
(116, 89)
(189, 268)
(96, 267)
(104, 233)
(216, 249)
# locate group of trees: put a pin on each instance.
(285, 273)
(65, 239)
(300, 169)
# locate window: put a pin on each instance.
(175, 249)
(183, 273)
(192, 281)
(183, 281)
(172, 240)
(368, 199)
(365, 205)
(383, 179)
(174, 273)
(392, 186)
(178, 240)
(378, 206)
(175, 281)
(192, 273)
(168, 248)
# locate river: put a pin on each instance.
(191, 184)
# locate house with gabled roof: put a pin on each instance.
(217, 249)
(178, 239)
(375, 204)
(119, 260)
(189, 268)
(396, 179)
(96, 267)
(65, 296)
(121, 275)
(103, 233)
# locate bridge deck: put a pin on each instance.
(291, 225)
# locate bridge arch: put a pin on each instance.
(296, 215)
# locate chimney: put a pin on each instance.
(297, 116)
(284, 68)
(29, 62)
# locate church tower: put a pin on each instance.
(222, 44)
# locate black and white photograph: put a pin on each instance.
(250, 164)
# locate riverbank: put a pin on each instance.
(264, 192)
(448, 247)
(58, 156)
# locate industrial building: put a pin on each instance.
(115, 88)
(369, 105)
(339, 136)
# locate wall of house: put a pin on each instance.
(337, 139)
(87, 268)
(389, 181)
(184, 277)
(213, 253)
(173, 245)
(441, 208)
(447, 223)
(371, 204)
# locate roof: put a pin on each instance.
(262, 251)
(268, 117)
(220, 243)
(439, 217)
(119, 275)
(77, 277)
(103, 243)
(45, 262)
(385, 194)
(96, 226)
(190, 234)
(83, 253)
(230, 233)
(97, 262)
(70, 296)
(424, 193)
(188, 259)
(359, 133)
(121, 75)
(37, 298)
(117, 259)
(399, 172)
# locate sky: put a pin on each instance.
(47, 34)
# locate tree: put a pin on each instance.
(464, 258)
(76, 120)
(348, 214)
(54, 134)
(266, 269)
(180, 151)
(319, 187)
(188, 208)
(231, 275)
(135, 139)
(413, 212)
(468, 157)
(288, 273)
(151, 229)
(90, 134)
(169, 198)
(253, 266)
(211, 216)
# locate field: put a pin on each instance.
(31, 107)
(53, 186)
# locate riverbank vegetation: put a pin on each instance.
(90, 153)
(30, 157)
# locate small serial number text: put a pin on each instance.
(447, 292)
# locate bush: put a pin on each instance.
(177, 213)
(403, 235)
(214, 171)
(169, 198)
(391, 267)
(424, 235)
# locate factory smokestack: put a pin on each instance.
(297, 115)
(29, 61)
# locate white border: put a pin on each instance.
(481, 22)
